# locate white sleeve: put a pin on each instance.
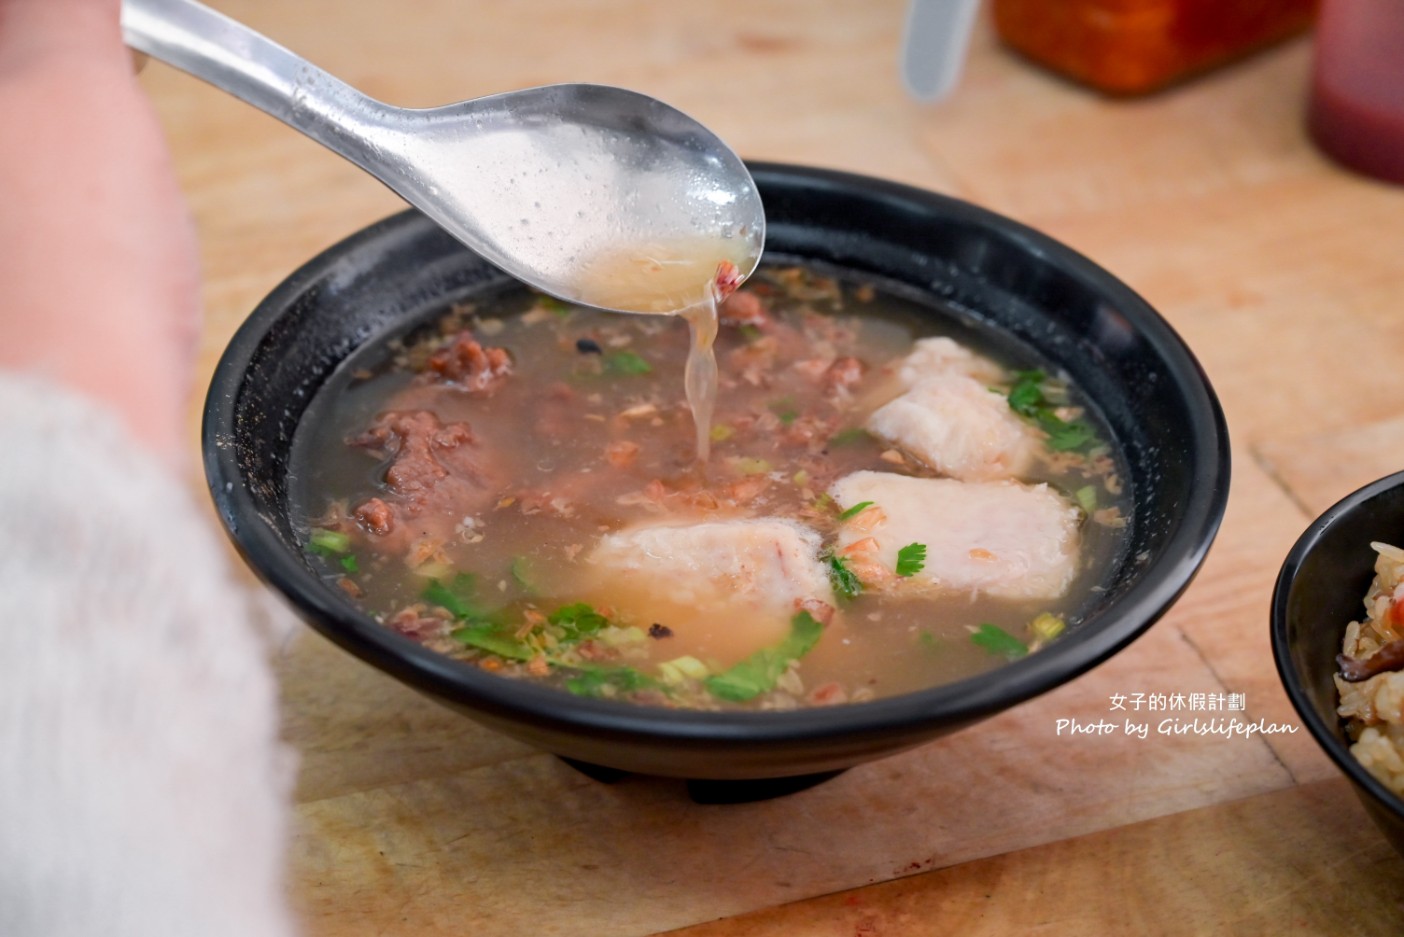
(143, 788)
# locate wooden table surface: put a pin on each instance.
(1284, 273)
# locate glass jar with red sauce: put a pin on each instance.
(1136, 46)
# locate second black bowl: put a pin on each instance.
(1320, 590)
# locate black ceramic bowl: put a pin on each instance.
(1043, 295)
(1319, 591)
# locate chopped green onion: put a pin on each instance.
(328, 542)
(434, 569)
(1086, 498)
(681, 669)
(348, 563)
(854, 511)
(617, 636)
(749, 465)
(1047, 626)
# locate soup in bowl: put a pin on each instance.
(951, 465)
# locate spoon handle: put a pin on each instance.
(934, 42)
(234, 58)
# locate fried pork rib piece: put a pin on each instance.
(949, 419)
(958, 427)
(940, 355)
(1002, 539)
(725, 588)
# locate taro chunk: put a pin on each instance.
(725, 589)
(1002, 539)
(958, 427)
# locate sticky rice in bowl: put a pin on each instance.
(1371, 678)
(1322, 635)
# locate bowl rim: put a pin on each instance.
(961, 702)
(1287, 674)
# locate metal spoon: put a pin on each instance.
(539, 181)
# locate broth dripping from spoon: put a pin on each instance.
(688, 279)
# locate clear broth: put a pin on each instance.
(592, 433)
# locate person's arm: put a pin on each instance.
(143, 790)
(99, 277)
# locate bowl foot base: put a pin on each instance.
(745, 792)
(706, 791)
(601, 773)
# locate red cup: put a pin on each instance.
(1356, 112)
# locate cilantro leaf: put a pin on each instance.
(911, 559)
(626, 362)
(1026, 398)
(759, 672)
(854, 511)
(1064, 436)
(457, 596)
(849, 437)
(486, 636)
(845, 581)
(930, 641)
(348, 563)
(551, 304)
(577, 621)
(995, 640)
(596, 681)
(522, 572)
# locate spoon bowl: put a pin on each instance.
(566, 187)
